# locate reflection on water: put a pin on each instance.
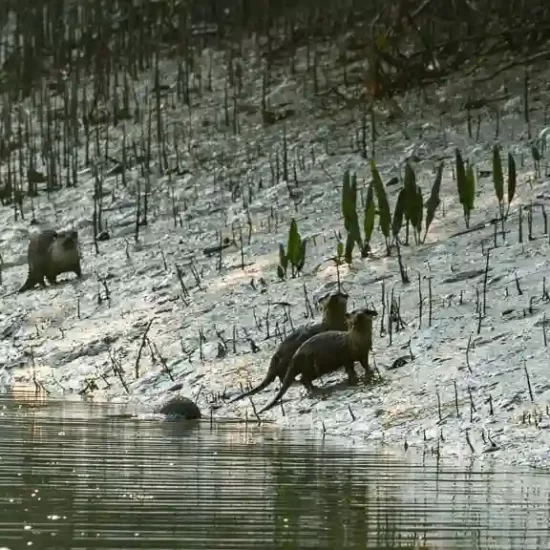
(71, 477)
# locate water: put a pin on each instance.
(72, 477)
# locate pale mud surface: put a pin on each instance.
(63, 336)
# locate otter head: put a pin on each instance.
(64, 252)
(334, 308)
(67, 239)
(360, 328)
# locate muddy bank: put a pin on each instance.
(211, 321)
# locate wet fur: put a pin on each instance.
(180, 406)
(49, 254)
(334, 317)
(327, 352)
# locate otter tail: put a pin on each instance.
(287, 382)
(270, 376)
(261, 386)
(28, 284)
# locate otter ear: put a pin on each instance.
(370, 313)
(341, 295)
(323, 301)
(354, 312)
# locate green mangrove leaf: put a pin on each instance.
(283, 258)
(382, 198)
(470, 187)
(348, 253)
(468, 194)
(347, 198)
(349, 206)
(511, 178)
(460, 177)
(498, 178)
(399, 212)
(410, 179)
(294, 244)
(417, 210)
(433, 202)
(302, 260)
(370, 210)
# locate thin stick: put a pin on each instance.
(469, 442)
(468, 353)
(528, 383)
(255, 411)
(142, 345)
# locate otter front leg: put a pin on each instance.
(40, 280)
(365, 364)
(352, 375)
(308, 385)
(307, 382)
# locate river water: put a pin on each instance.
(74, 476)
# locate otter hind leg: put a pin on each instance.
(309, 373)
(352, 375)
(368, 372)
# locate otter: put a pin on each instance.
(49, 254)
(180, 406)
(330, 350)
(334, 318)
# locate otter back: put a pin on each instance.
(322, 354)
(49, 254)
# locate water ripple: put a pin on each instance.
(72, 477)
